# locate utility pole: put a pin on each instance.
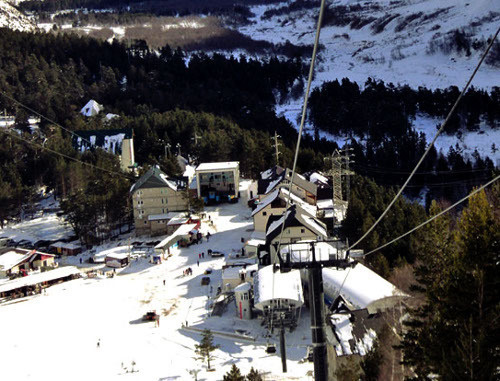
(316, 300)
(340, 160)
(167, 149)
(282, 343)
(336, 173)
(276, 146)
(347, 150)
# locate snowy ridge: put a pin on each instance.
(386, 40)
(11, 18)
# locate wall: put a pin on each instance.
(155, 201)
(290, 235)
(127, 157)
(260, 220)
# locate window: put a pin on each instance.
(264, 213)
(302, 230)
(162, 201)
(145, 222)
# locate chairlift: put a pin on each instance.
(270, 348)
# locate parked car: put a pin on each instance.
(208, 270)
(215, 253)
(24, 243)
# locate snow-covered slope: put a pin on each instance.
(388, 40)
(11, 18)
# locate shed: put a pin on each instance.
(117, 260)
(34, 283)
(66, 248)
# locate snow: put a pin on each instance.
(11, 18)
(468, 141)
(61, 272)
(270, 285)
(387, 55)
(92, 108)
(50, 227)
(266, 201)
(83, 311)
(361, 286)
(343, 329)
(218, 166)
(9, 259)
(318, 178)
(189, 172)
(244, 287)
(169, 183)
(273, 184)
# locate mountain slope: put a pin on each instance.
(11, 18)
(415, 42)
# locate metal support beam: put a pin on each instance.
(317, 324)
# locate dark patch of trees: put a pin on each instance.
(454, 333)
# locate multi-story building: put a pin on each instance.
(155, 198)
(218, 182)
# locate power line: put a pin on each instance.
(43, 116)
(435, 216)
(431, 144)
(63, 155)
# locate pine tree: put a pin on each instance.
(206, 347)
(254, 375)
(454, 334)
(234, 374)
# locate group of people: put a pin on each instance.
(188, 271)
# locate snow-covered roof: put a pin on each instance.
(266, 201)
(11, 259)
(325, 204)
(179, 233)
(318, 178)
(163, 216)
(117, 255)
(355, 331)
(298, 213)
(92, 108)
(179, 220)
(110, 116)
(270, 285)
(256, 242)
(361, 288)
(244, 287)
(218, 166)
(156, 178)
(31, 280)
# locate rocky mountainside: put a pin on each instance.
(11, 18)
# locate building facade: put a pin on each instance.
(155, 198)
(218, 182)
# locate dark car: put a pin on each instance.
(215, 253)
